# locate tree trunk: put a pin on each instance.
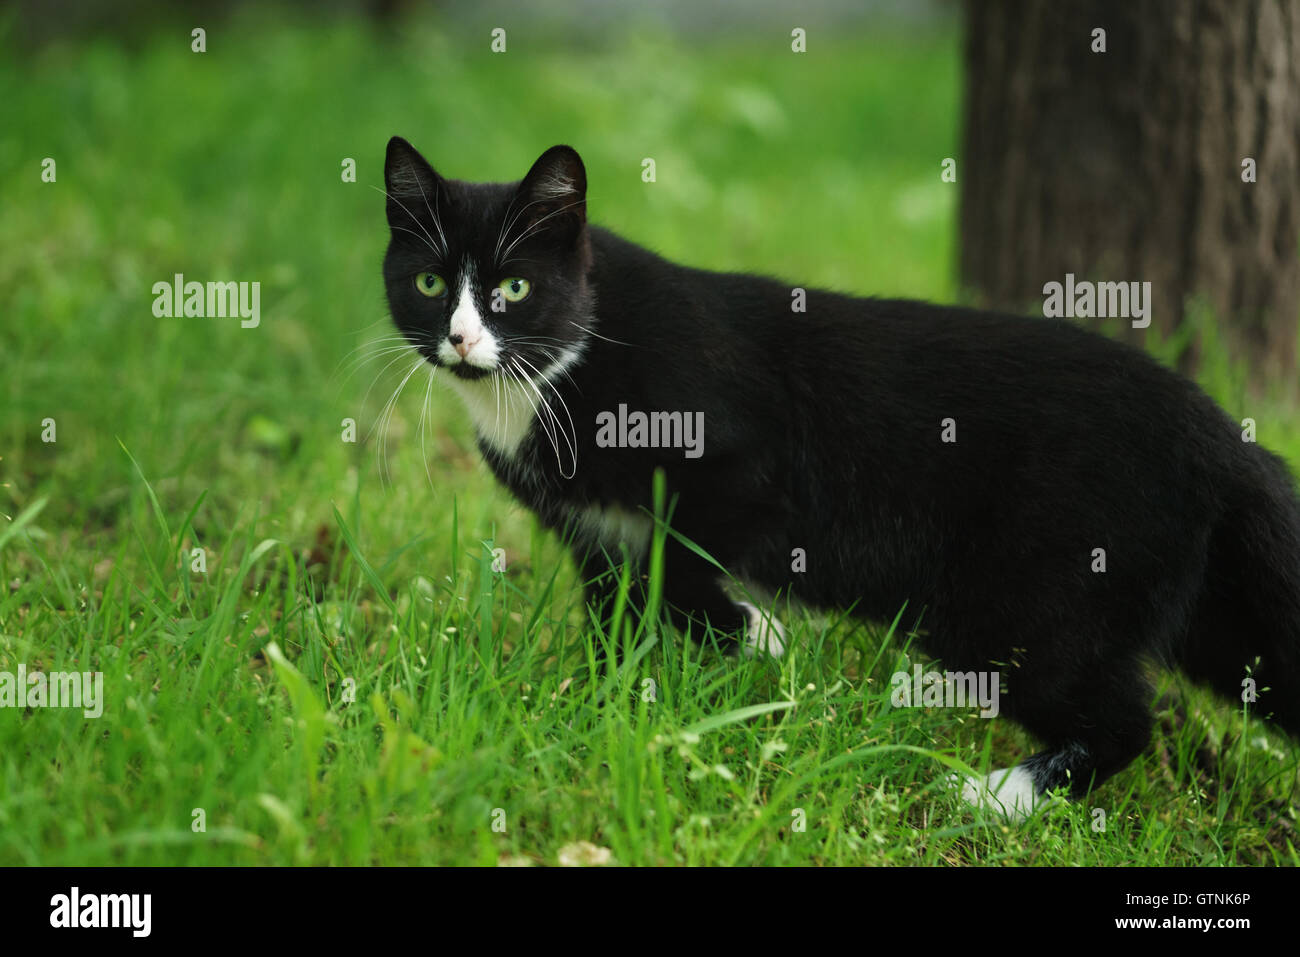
(1127, 165)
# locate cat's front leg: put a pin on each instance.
(601, 584)
(764, 635)
(692, 595)
(695, 598)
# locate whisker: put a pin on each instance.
(409, 213)
(432, 247)
(519, 377)
(501, 233)
(514, 259)
(505, 231)
(536, 227)
(424, 411)
(532, 341)
(592, 332)
(570, 437)
(382, 447)
(496, 392)
(433, 212)
(556, 361)
(509, 339)
(359, 361)
(387, 366)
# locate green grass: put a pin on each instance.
(474, 690)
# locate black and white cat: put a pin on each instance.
(966, 465)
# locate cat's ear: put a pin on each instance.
(554, 193)
(410, 181)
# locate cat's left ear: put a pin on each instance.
(554, 193)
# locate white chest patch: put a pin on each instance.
(613, 526)
(499, 409)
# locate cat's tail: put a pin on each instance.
(1244, 640)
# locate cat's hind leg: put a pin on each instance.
(1008, 791)
(1096, 721)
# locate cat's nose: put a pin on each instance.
(462, 347)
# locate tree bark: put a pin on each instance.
(1127, 165)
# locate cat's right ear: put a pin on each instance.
(409, 180)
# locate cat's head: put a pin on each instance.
(487, 278)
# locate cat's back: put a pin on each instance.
(890, 378)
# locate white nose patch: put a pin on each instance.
(469, 340)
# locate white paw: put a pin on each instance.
(1009, 792)
(763, 634)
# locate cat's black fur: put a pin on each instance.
(823, 433)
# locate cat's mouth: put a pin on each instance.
(460, 369)
(463, 370)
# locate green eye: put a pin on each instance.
(515, 290)
(430, 284)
